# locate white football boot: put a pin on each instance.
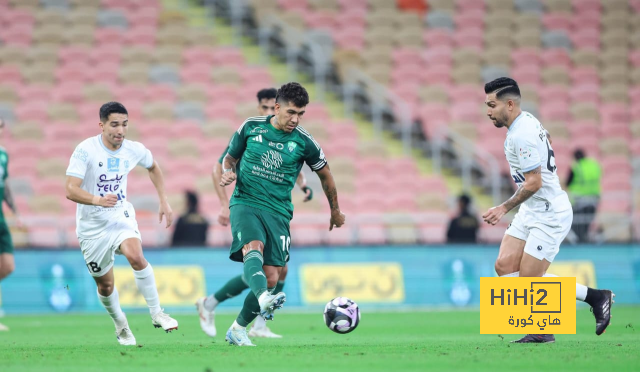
(270, 303)
(123, 332)
(207, 322)
(164, 321)
(237, 336)
(125, 336)
(3, 327)
(260, 329)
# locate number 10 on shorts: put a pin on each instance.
(286, 243)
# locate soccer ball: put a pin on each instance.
(341, 315)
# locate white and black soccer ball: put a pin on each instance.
(341, 315)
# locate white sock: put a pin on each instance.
(111, 303)
(210, 303)
(259, 323)
(516, 274)
(236, 325)
(146, 283)
(581, 290)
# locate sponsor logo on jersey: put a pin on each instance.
(259, 130)
(126, 164)
(239, 235)
(100, 164)
(81, 155)
(279, 146)
(271, 159)
(113, 165)
(291, 146)
(126, 214)
(257, 138)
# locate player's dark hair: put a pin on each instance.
(111, 108)
(465, 200)
(267, 93)
(578, 154)
(293, 93)
(192, 201)
(503, 87)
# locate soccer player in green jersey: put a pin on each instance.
(206, 305)
(7, 263)
(273, 150)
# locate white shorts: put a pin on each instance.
(99, 253)
(543, 231)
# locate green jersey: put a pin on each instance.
(4, 173)
(271, 162)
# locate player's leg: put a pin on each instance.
(251, 229)
(260, 328)
(131, 248)
(600, 300)
(535, 264)
(206, 305)
(276, 256)
(99, 257)
(110, 300)
(249, 236)
(7, 265)
(510, 254)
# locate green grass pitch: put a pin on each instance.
(400, 341)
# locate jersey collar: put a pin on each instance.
(513, 125)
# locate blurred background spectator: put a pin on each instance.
(191, 227)
(463, 228)
(583, 185)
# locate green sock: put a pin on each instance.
(250, 310)
(253, 273)
(232, 288)
(279, 287)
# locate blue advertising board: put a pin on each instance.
(381, 276)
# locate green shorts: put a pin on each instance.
(6, 243)
(249, 224)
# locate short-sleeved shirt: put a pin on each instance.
(271, 162)
(4, 174)
(103, 172)
(526, 148)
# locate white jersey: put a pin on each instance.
(527, 148)
(105, 172)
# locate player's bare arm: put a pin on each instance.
(156, 176)
(8, 198)
(228, 170)
(301, 181)
(532, 183)
(216, 176)
(329, 187)
(76, 194)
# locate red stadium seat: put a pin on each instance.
(557, 21)
(141, 36)
(526, 56)
(557, 57)
(469, 38)
(470, 18)
(438, 37)
(586, 38)
(17, 34)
